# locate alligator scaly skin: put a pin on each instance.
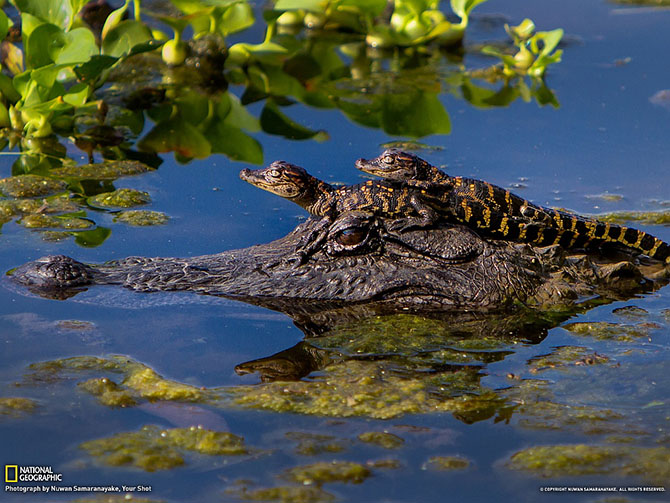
(499, 212)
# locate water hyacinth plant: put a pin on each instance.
(535, 50)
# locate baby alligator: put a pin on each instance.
(381, 198)
(321, 199)
(490, 208)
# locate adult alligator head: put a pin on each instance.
(449, 268)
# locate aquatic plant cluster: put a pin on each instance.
(78, 75)
(386, 368)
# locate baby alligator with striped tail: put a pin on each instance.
(388, 199)
(497, 211)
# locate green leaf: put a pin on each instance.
(544, 95)
(273, 121)
(371, 8)
(7, 89)
(176, 135)
(91, 238)
(49, 44)
(4, 25)
(506, 58)
(267, 52)
(239, 116)
(486, 98)
(77, 5)
(190, 6)
(463, 7)
(77, 95)
(28, 24)
(77, 46)
(310, 5)
(235, 143)
(57, 12)
(540, 66)
(236, 18)
(39, 42)
(274, 81)
(114, 18)
(123, 38)
(147, 46)
(416, 116)
(94, 67)
(193, 107)
(550, 39)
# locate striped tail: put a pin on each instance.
(572, 231)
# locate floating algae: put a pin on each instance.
(641, 217)
(385, 463)
(152, 448)
(141, 218)
(631, 312)
(16, 406)
(651, 464)
(564, 357)
(349, 388)
(55, 204)
(30, 186)
(538, 408)
(312, 444)
(75, 325)
(120, 198)
(109, 170)
(603, 330)
(334, 471)
(361, 388)
(139, 382)
(40, 221)
(108, 392)
(382, 439)
(446, 463)
(405, 334)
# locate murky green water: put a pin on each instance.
(407, 409)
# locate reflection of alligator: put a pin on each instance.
(491, 208)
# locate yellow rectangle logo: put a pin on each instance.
(8, 473)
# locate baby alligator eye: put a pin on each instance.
(388, 159)
(274, 173)
(351, 237)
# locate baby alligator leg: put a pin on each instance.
(537, 214)
(427, 217)
(312, 242)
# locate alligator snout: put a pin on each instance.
(245, 174)
(361, 163)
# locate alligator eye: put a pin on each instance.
(388, 159)
(274, 173)
(351, 237)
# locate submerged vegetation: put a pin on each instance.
(366, 377)
(153, 77)
(152, 448)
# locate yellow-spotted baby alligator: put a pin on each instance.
(497, 211)
(321, 199)
(382, 198)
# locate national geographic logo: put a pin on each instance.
(11, 473)
(16, 473)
